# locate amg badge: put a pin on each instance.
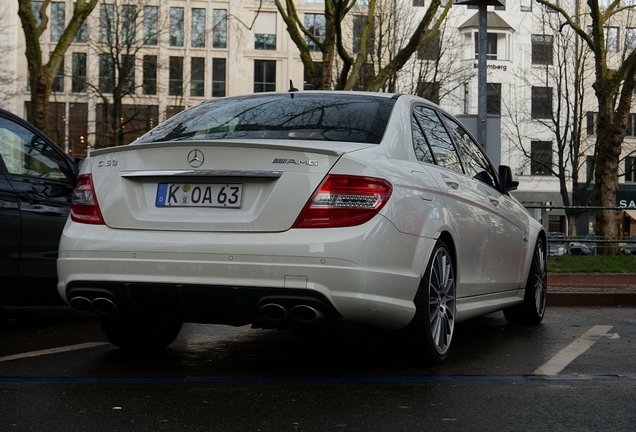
(308, 162)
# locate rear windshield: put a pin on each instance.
(292, 116)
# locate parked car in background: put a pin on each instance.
(584, 247)
(291, 209)
(557, 245)
(630, 248)
(36, 182)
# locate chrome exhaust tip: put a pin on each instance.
(81, 304)
(305, 314)
(103, 305)
(273, 312)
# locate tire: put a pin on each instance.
(136, 334)
(431, 330)
(532, 310)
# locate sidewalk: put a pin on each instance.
(592, 289)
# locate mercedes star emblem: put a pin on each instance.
(195, 158)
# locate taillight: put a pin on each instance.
(84, 208)
(343, 200)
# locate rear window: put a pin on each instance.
(277, 116)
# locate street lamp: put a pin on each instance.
(482, 51)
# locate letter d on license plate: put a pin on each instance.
(199, 195)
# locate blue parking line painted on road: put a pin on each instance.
(327, 380)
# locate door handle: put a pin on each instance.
(452, 184)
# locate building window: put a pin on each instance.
(151, 24)
(359, 21)
(265, 31)
(58, 80)
(541, 157)
(542, 49)
(491, 46)
(611, 37)
(316, 24)
(264, 76)
(106, 73)
(526, 5)
(630, 169)
(418, 3)
(128, 72)
(428, 90)
(308, 80)
(129, 24)
(542, 102)
(432, 50)
(106, 23)
(197, 74)
(78, 84)
(82, 34)
(219, 31)
(630, 39)
(589, 168)
(58, 20)
(198, 28)
(466, 98)
(493, 98)
(175, 84)
(218, 77)
(592, 123)
(549, 9)
(176, 26)
(77, 129)
(150, 75)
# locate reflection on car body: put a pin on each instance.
(401, 222)
(36, 182)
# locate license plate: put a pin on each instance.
(199, 195)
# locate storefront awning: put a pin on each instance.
(631, 213)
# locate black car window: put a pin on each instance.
(438, 138)
(25, 153)
(475, 162)
(307, 116)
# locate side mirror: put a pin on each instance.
(508, 180)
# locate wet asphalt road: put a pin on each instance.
(216, 378)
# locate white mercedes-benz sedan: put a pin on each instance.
(294, 209)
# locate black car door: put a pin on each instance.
(43, 178)
(9, 229)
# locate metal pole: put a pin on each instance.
(481, 73)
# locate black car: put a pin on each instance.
(557, 245)
(630, 248)
(37, 179)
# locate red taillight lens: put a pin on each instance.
(84, 208)
(343, 200)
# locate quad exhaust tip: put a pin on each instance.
(301, 313)
(100, 305)
(81, 304)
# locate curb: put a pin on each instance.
(594, 289)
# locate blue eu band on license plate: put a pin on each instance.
(199, 195)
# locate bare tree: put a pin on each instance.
(41, 74)
(560, 64)
(118, 46)
(614, 84)
(350, 59)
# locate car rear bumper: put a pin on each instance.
(367, 274)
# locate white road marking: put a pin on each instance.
(52, 351)
(568, 354)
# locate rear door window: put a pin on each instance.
(437, 137)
